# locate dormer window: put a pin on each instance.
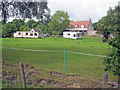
(32, 30)
(76, 26)
(83, 26)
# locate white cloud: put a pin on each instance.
(83, 9)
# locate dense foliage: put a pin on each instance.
(56, 25)
(113, 57)
(108, 24)
(59, 22)
(8, 29)
(112, 60)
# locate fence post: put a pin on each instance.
(64, 60)
(118, 82)
(105, 80)
(22, 74)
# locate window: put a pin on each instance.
(26, 33)
(78, 35)
(68, 34)
(83, 34)
(82, 26)
(76, 26)
(74, 35)
(35, 34)
(19, 33)
(31, 34)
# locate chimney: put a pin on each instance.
(90, 19)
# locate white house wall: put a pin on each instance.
(71, 35)
(23, 34)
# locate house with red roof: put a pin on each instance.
(79, 28)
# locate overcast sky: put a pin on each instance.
(83, 9)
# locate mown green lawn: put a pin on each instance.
(84, 65)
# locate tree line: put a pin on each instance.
(112, 60)
(54, 26)
(108, 25)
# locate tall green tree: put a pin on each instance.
(108, 24)
(18, 23)
(30, 23)
(95, 25)
(8, 30)
(44, 28)
(59, 22)
(112, 60)
(24, 28)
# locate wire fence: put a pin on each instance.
(35, 76)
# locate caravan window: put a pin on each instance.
(74, 35)
(78, 35)
(31, 34)
(35, 34)
(68, 34)
(26, 33)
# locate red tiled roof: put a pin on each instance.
(80, 23)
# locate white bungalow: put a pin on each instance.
(27, 34)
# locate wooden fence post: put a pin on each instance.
(118, 82)
(22, 74)
(105, 80)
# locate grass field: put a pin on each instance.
(84, 65)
